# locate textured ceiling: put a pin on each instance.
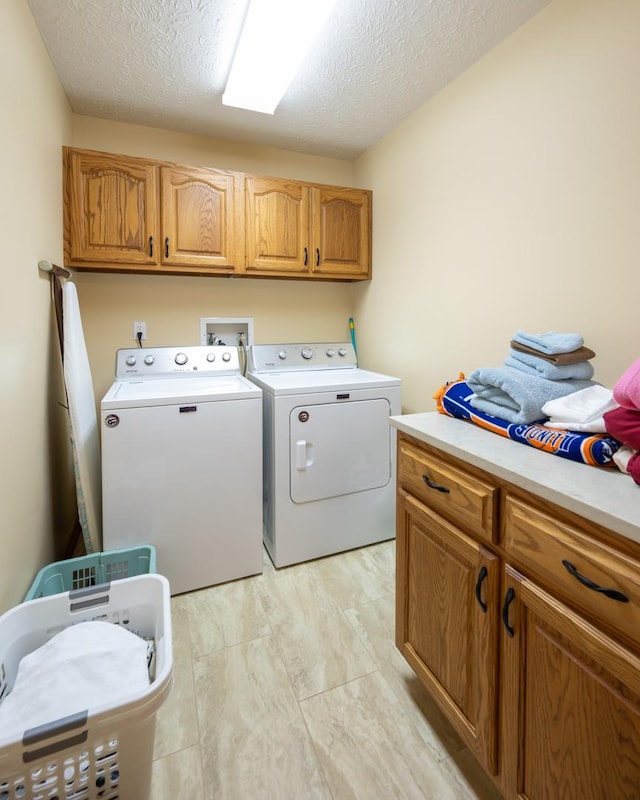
(163, 63)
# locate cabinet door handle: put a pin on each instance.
(317, 257)
(166, 247)
(613, 594)
(435, 486)
(508, 599)
(151, 247)
(481, 577)
(306, 256)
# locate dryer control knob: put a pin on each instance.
(331, 352)
(342, 352)
(181, 358)
(306, 352)
(282, 355)
(131, 360)
(149, 360)
(226, 356)
(211, 357)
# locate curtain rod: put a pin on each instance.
(61, 272)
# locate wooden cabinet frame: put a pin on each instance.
(306, 230)
(552, 709)
(137, 215)
(566, 686)
(447, 582)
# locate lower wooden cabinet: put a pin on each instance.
(447, 623)
(535, 664)
(570, 703)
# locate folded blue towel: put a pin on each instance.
(533, 365)
(551, 342)
(516, 396)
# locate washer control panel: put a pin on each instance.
(297, 357)
(162, 362)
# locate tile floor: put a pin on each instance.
(288, 686)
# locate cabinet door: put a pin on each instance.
(277, 226)
(341, 224)
(447, 621)
(198, 219)
(111, 209)
(570, 704)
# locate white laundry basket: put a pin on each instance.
(100, 753)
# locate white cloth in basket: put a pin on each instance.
(85, 666)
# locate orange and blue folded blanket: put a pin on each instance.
(597, 449)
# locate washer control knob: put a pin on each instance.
(282, 355)
(211, 357)
(342, 352)
(181, 358)
(331, 352)
(226, 356)
(306, 353)
(131, 360)
(149, 360)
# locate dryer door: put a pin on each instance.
(339, 448)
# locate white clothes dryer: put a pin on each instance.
(182, 463)
(329, 456)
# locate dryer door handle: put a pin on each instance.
(301, 460)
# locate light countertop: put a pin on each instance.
(606, 496)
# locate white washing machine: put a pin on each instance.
(182, 463)
(329, 452)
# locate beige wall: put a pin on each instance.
(136, 140)
(34, 476)
(510, 201)
(173, 305)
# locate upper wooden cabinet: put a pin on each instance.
(341, 232)
(199, 218)
(276, 225)
(110, 209)
(307, 230)
(138, 215)
(132, 214)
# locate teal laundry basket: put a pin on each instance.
(91, 570)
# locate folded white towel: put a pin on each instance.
(84, 666)
(595, 426)
(622, 456)
(581, 407)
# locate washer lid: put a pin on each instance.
(337, 380)
(177, 391)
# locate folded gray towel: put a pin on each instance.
(533, 365)
(550, 342)
(514, 395)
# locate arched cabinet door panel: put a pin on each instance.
(111, 209)
(198, 218)
(276, 225)
(341, 232)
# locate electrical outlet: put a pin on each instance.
(140, 327)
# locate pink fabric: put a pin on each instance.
(634, 467)
(626, 392)
(624, 425)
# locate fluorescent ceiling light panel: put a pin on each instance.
(276, 37)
